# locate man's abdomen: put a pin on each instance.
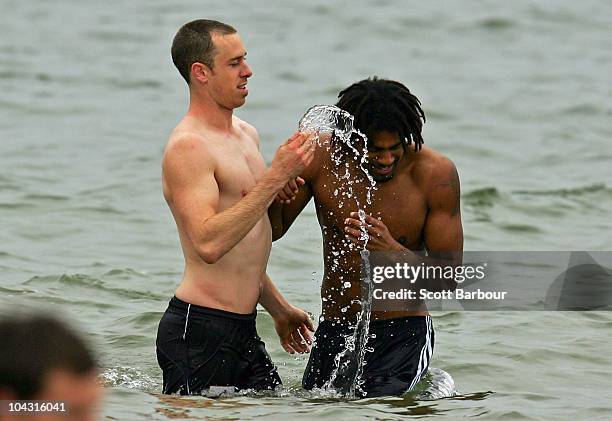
(233, 283)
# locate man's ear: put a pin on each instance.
(200, 72)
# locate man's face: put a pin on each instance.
(228, 77)
(384, 153)
(82, 394)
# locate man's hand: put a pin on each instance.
(380, 237)
(293, 328)
(288, 193)
(294, 156)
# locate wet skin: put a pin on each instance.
(416, 200)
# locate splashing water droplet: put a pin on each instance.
(331, 119)
(327, 119)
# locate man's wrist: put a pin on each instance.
(276, 180)
(398, 247)
(279, 311)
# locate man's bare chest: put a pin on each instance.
(238, 169)
(401, 206)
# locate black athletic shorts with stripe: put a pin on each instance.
(402, 349)
(199, 347)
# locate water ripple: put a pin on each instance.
(496, 23)
(89, 282)
(484, 197)
(564, 192)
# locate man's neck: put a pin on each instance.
(203, 108)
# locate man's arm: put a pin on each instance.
(443, 231)
(292, 325)
(282, 215)
(189, 168)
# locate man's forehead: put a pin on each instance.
(228, 46)
(385, 138)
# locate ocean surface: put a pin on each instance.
(517, 94)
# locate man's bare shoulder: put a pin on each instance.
(439, 180)
(186, 150)
(181, 141)
(248, 129)
(433, 167)
(321, 165)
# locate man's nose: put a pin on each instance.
(385, 158)
(246, 71)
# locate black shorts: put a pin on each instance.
(402, 349)
(199, 347)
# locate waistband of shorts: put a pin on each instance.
(398, 321)
(196, 310)
(380, 324)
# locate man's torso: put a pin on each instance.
(402, 205)
(233, 282)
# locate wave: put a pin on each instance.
(90, 282)
(565, 192)
(494, 23)
(45, 196)
(485, 196)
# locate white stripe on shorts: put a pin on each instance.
(425, 355)
(184, 336)
(186, 321)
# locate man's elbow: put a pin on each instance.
(210, 253)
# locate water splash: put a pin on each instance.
(128, 377)
(329, 119)
(325, 119)
(437, 384)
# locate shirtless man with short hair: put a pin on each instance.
(415, 207)
(218, 188)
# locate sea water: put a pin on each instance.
(85, 228)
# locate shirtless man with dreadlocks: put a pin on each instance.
(414, 208)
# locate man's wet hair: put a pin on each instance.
(32, 346)
(384, 105)
(193, 43)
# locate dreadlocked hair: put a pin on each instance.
(384, 105)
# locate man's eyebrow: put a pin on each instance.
(390, 147)
(238, 57)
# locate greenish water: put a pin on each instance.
(518, 95)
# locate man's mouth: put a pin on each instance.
(243, 86)
(383, 169)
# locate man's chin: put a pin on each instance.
(379, 178)
(239, 102)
